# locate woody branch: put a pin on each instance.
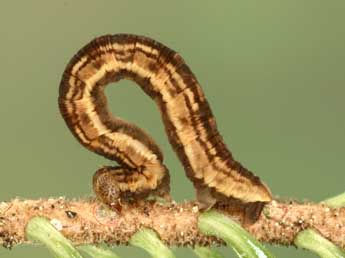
(89, 222)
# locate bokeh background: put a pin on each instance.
(273, 72)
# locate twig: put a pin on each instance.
(88, 221)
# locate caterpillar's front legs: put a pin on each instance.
(204, 197)
(112, 185)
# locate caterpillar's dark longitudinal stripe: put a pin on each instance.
(188, 119)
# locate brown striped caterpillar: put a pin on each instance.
(191, 128)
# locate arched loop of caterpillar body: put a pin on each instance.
(190, 125)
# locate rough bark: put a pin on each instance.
(88, 221)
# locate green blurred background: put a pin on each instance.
(273, 72)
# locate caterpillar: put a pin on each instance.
(189, 124)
